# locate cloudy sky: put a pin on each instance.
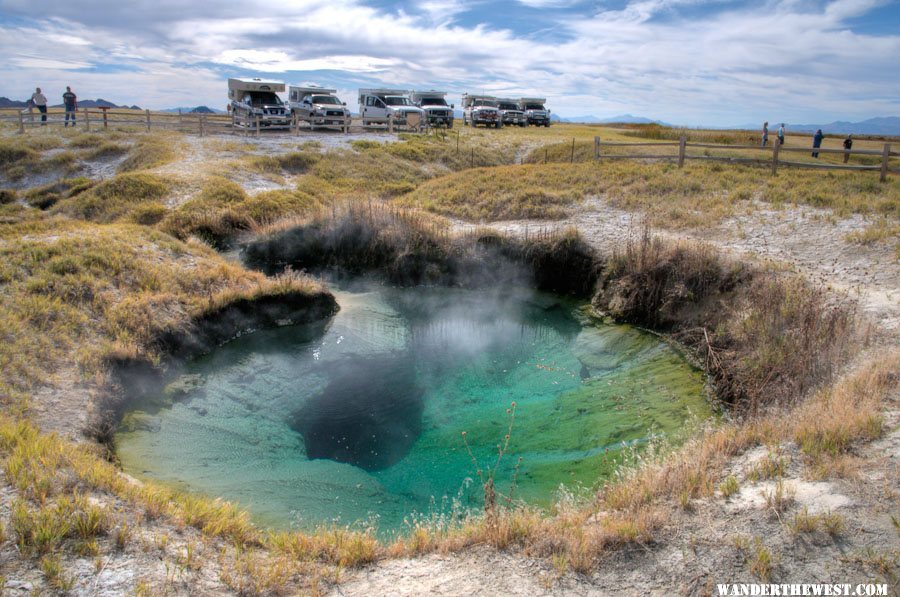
(691, 62)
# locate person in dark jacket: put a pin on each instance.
(817, 142)
(848, 144)
(70, 101)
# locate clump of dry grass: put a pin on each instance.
(765, 338)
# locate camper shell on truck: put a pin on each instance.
(318, 106)
(480, 109)
(258, 98)
(376, 106)
(510, 112)
(535, 112)
(434, 103)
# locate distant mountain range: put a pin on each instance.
(196, 110)
(623, 118)
(5, 102)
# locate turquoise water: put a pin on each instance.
(362, 418)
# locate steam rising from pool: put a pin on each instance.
(364, 420)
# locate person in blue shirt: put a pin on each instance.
(781, 134)
(817, 142)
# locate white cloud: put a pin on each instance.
(788, 60)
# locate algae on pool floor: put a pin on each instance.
(383, 396)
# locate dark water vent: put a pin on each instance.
(369, 414)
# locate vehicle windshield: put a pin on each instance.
(396, 100)
(508, 106)
(326, 99)
(263, 98)
(433, 101)
(534, 106)
(487, 103)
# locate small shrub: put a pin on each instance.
(149, 152)
(729, 486)
(8, 196)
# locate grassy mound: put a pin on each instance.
(507, 192)
(150, 151)
(117, 198)
(223, 210)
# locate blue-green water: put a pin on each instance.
(363, 419)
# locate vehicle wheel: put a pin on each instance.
(450, 125)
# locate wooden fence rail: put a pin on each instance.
(776, 160)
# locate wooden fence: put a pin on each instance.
(203, 124)
(776, 160)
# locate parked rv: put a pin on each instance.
(510, 112)
(434, 103)
(376, 105)
(318, 106)
(257, 98)
(480, 109)
(535, 112)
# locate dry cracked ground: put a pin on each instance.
(715, 540)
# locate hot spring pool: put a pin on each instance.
(361, 418)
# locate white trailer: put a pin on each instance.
(434, 103)
(535, 112)
(256, 100)
(318, 106)
(379, 106)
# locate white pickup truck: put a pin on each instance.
(377, 105)
(510, 112)
(253, 99)
(481, 109)
(318, 106)
(535, 112)
(434, 103)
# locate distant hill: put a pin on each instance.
(5, 102)
(195, 110)
(886, 125)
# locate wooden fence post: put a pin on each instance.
(21, 122)
(87, 119)
(775, 147)
(885, 157)
(682, 143)
(457, 141)
(572, 160)
(148, 121)
(105, 121)
(257, 126)
(391, 123)
(180, 117)
(596, 148)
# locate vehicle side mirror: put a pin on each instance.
(452, 106)
(343, 103)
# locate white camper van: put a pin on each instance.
(510, 112)
(480, 109)
(376, 105)
(434, 103)
(257, 98)
(318, 106)
(535, 112)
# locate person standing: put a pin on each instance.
(781, 134)
(848, 144)
(765, 135)
(40, 100)
(817, 142)
(70, 101)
